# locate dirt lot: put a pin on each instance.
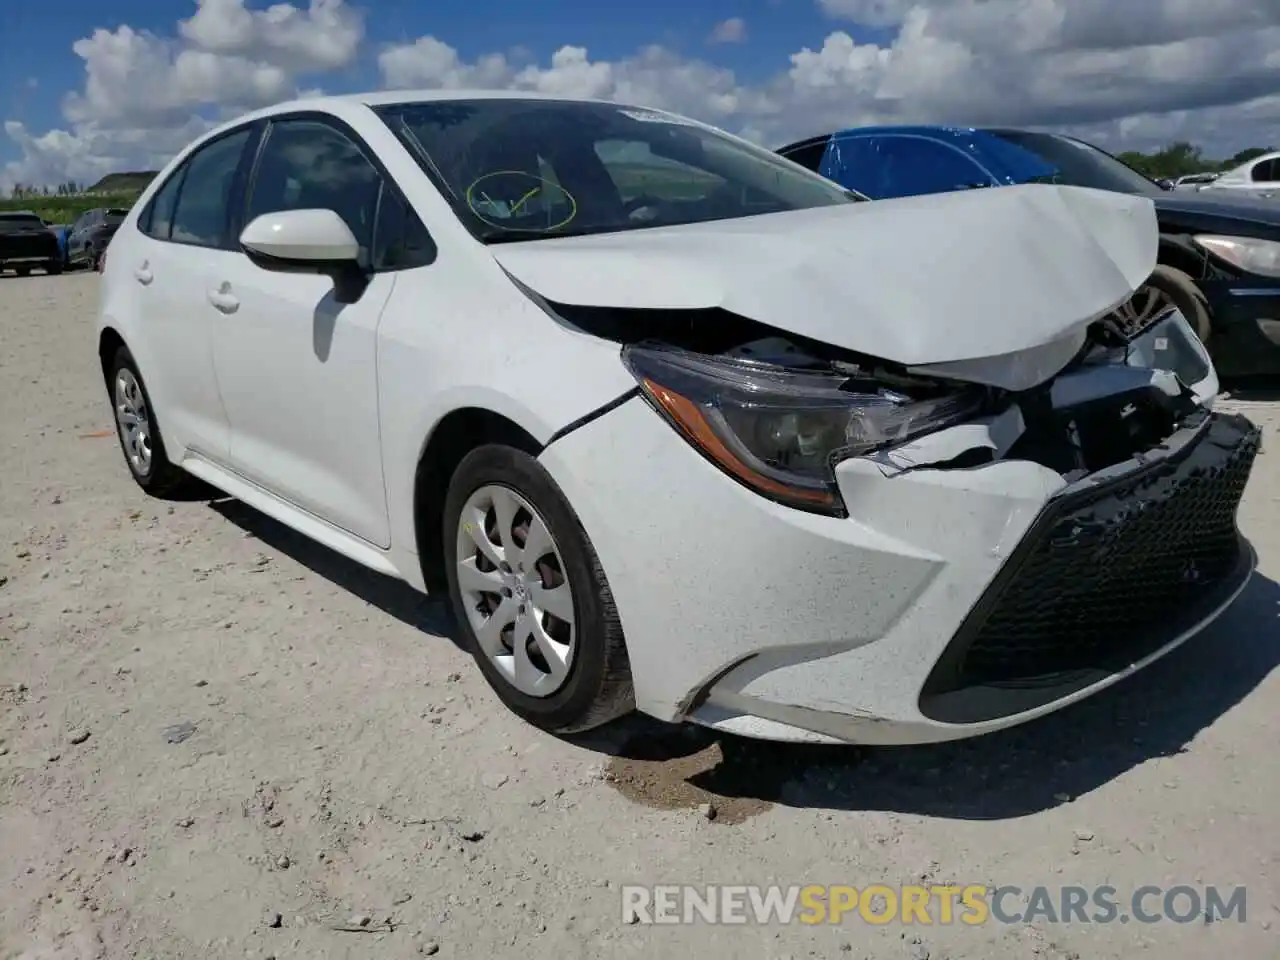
(221, 741)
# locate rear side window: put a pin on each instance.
(19, 223)
(201, 216)
(1267, 171)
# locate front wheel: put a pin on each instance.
(53, 267)
(1167, 286)
(530, 596)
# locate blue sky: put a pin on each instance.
(1137, 74)
(36, 37)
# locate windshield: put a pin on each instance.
(525, 169)
(1080, 164)
(16, 222)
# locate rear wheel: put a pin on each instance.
(530, 596)
(136, 427)
(22, 271)
(53, 267)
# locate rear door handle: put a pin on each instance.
(224, 300)
(143, 274)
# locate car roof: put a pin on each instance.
(18, 213)
(340, 104)
(381, 98)
(931, 131)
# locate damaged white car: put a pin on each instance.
(677, 424)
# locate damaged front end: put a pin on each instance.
(1134, 484)
(778, 413)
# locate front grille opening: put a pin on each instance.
(1106, 577)
(1083, 439)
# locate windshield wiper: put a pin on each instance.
(521, 236)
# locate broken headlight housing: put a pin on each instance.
(781, 431)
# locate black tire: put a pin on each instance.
(1186, 296)
(598, 686)
(53, 267)
(161, 477)
(22, 271)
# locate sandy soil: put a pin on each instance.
(221, 741)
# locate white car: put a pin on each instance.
(1259, 177)
(678, 424)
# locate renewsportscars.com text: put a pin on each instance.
(971, 905)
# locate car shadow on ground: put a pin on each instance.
(1155, 713)
(386, 593)
(1256, 389)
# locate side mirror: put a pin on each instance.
(317, 239)
(308, 241)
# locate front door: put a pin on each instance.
(296, 369)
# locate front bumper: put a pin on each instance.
(951, 602)
(1246, 325)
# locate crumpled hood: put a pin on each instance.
(921, 281)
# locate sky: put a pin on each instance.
(89, 87)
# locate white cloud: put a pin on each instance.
(325, 36)
(733, 30)
(144, 96)
(1142, 72)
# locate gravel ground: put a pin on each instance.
(221, 741)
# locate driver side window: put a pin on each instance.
(308, 164)
(637, 172)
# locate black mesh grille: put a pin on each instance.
(1103, 571)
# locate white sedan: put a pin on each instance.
(679, 425)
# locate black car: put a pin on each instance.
(91, 233)
(1219, 258)
(27, 243)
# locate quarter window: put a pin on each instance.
(309, 164)
(201, 216)
(401, 241)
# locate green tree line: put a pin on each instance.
(1182, 158)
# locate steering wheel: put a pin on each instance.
(642, 202)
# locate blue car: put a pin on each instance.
(1219, 259)
(63, 232)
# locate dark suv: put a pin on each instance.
(91, 233)
(26, 241)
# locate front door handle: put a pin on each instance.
(224, 300)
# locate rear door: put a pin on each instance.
(184, 240)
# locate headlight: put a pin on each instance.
(1253, 256)
(781, 432)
